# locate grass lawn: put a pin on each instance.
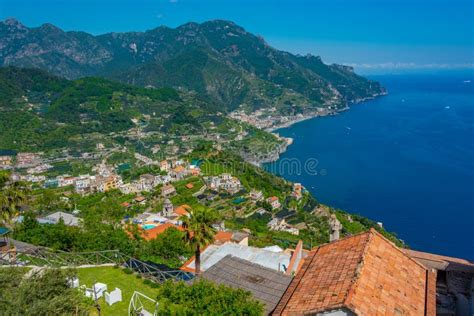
(181, 188)
(113, 277)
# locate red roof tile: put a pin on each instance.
(152, 233)
(140, 198)
(366, 274)
(439, 262)
(182, 210)
(222, 237)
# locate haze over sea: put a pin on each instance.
(405, 159)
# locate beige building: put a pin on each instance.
(5, 161)
(167, 190)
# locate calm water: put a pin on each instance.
(406, 159)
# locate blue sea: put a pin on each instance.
(405, 159)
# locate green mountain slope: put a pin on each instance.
(39, 111)
(221, 61)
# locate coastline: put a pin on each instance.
(400, 189)
(288, 140)
(323, 114)
(305, 118)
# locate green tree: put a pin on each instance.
(12, 197)
(168, 248)
(205, 298)
(199, 231)
(4, 176)
(44, 293)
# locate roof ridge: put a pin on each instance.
(355, 280)
(299, 276)
(341, 239)
(374, 231)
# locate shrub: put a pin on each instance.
(46, 293)
(205, 298)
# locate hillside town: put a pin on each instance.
(163, 199)
(158, 158)
(223, 190)
(270, 119)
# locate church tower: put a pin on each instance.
(336, 228)
(167, 208)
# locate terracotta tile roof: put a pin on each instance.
(457, 274)
(189, 185)
(150, 234)
(182, 210)
(365, 274)
(140, 198)
(222, 237)
(440, 262)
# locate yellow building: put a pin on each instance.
(110, 183)
(5, 161)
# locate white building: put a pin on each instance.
(224, 182)
(82, 184)
(256, 195)
(147, 182)
(65, 180)
(128, 188)
(274, 202)
(68, 219)
(281, 225)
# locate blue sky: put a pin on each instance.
(370, 34)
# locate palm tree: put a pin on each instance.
(199, 231)
(12, 197)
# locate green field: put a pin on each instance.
(116, 277)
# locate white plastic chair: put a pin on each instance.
(113, 297)
(99, 289)
(73, 283)
(87, 292)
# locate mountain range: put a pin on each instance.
(219, 60)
